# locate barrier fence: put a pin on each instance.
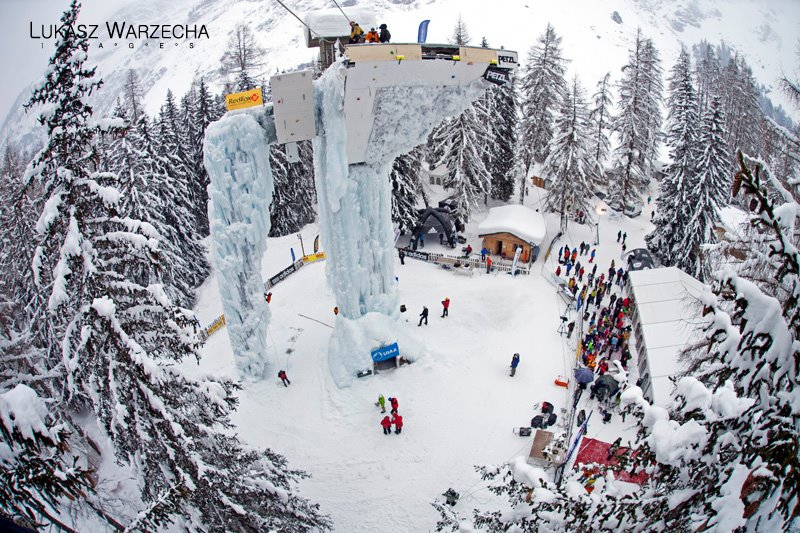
(472, 261)
(219, 322)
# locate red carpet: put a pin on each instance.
(596, 451)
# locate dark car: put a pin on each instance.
(640, 259)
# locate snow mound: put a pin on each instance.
(353, 340)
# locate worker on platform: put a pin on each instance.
(372, 36)
(356, 33)
(385, 36)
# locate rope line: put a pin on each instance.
(343, 13)
(321, 38)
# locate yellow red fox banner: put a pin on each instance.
(250, 98)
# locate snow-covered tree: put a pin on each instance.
(742, 112)
(543, 87)
(707, 194)
(151, 193)
(781, 149)
(600, 127)
(170, 148)
(707, 74)
(637, 124)
(133, 96)
(501, 157)
(406, 187)
(672, 215)
(651, 106)
(463, 144)
(203, 111)
(37, 470)
(293, 198)
(460, 34)
(570, 164)
(17, 219)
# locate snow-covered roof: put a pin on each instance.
(332, 23)
(666, 299)
(732, 219)
(517, 220)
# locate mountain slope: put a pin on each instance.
(595, 43)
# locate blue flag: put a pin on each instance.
(422, 34)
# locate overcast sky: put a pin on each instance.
(22, 59)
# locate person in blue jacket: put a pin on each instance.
(514, 364)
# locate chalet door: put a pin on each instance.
(498, 247)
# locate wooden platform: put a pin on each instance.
(541, 440)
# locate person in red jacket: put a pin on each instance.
(394, 403)
(284, 379)
(398, 423)
(387, 425)
(445, 307)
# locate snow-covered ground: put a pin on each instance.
(458, 402)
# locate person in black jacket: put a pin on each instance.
(423, 316)
(385, 35)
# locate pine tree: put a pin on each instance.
(151, 194)
(707, 74)
(742, 112)
(673, 213)
(707, 195)
(639, 98)
(460, 33)
(133, 96)
(543, 88)
(170, 148)
(203, 112)
(570, 164)
(37, 470)
(600, 126)
(651, 100)
(17, 219)
(293, 197)
(405, 178)
(463, 145)
(500, 160)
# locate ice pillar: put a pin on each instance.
(236, 156)
(355, 215)
(355, 210)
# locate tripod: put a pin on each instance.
(562, 328)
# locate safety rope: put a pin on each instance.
(321, 38)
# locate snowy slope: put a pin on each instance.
(766, 32)
(458, 402)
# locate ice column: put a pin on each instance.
(355, 210)
(236, 156)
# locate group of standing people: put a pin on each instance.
(357, 34)
(396, 419)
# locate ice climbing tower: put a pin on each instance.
(378, 102)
